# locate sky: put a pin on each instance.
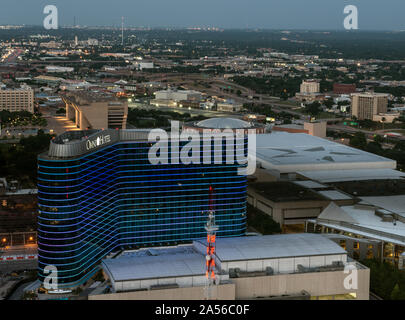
(263, 14)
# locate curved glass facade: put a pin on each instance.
(114, 197)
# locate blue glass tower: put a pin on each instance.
(98, 192)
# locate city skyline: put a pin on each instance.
(291, 14)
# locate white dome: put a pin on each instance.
(223, 123)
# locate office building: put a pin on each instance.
(99, 192)
(95, 110)
(20, 99)
(309, 91)
(310, 86)
(229, 106)
(367, 105)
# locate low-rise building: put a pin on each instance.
(93, 110)
(373, 228)
(291, 204)
(229, 106)
(293, 266)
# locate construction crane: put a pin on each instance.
(211, 229)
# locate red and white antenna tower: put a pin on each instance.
(211, 229)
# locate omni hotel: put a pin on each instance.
(98, 193)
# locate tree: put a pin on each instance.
(378, 138)
(313, 108)
(383, 121)
(358, 140)
(374, 147)
(397, 293)
(329, 103)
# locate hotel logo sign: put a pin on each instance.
(99, 141)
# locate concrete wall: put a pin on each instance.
(297, 210)
(317, 284)
(147, 283)
(96, 114)
(317, 129)
(220, 292)
(282, 265)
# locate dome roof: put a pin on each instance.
(223, 123)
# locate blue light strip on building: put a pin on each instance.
(115, 198)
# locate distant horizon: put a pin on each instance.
(202, 27)
(317, 15)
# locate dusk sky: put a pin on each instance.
(270, 14)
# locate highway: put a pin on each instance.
(369, 134)
(192, 111)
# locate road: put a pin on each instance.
(58, 123)
(368, 133)
(192, 111)
(216, 86)
(17, 294)
(373, 296)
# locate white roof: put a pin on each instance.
(394, 204)
(292, 152)
(310, 184)
(223, 123)
(335, 195)
(325, 176)
(173, 262)
(363, 221)
(185, 261)
(275, 246)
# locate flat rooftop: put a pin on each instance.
(86, 97)
(275, 246)
(326, 176)
(372, 188)
(284, 191)
(292, 152)
(189, 260)
(363, 221)
(335, 195)
(156, 263)
(394, 204)
(311, 184)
